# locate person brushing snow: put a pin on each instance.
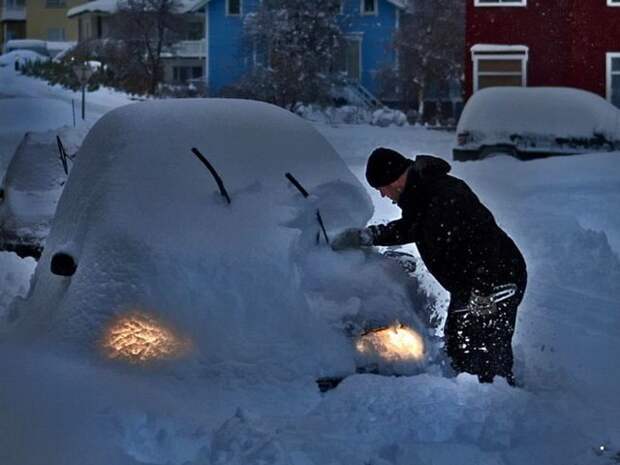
(463, 248)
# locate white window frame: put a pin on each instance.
(613, 2)
(375, 12)
(234, 15)
(476, 57)
(608, 73)
(501, 4)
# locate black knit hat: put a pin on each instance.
(385, 166)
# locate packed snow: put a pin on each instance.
(61, 407)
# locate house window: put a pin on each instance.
(501, 2)
(233, 7)
(349, 60)
(494, 66)
(182, 74)
(56, 34)
(613, 78)
(369, 7)
(55, 3)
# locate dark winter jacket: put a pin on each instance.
(457, 237)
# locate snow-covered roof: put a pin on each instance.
(554, 112)
(97, 6)
(201, 3)
(497, 48)
(111, 6)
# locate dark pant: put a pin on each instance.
(482, 345)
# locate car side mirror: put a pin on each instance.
(63, 264)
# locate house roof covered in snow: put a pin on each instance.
(497, 48)
(201, 3)
(111, 6)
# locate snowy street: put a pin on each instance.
(563, 214)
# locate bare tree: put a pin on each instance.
(144, 29)
(295, 45)
(431, 47)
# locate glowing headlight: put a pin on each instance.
(396, 343)
(137, 337)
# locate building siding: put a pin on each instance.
(377, 33)
(567, 39)
(40, 19)
(229, 59)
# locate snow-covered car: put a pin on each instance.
(33, 45)
(31, 187)
(159, 253)
(534, 122)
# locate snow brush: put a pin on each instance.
(304, 192)
(216, 176)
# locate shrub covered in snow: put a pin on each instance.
(349, 114)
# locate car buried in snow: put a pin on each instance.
(535, 122)
(182, 234)
(31, 187)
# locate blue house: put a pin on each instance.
(368, 26)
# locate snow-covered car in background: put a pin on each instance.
(534, 122)
(147, 261)
(31, 187)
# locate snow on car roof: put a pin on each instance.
(149, 231)
(557, 111)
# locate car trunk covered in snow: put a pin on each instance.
(145, 251)
(531, 121)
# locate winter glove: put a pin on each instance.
(481, 304)
(352, 238)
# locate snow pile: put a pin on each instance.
(350, 114)
(386, 117)
(538, 118)
(32, 186)
(14, 281)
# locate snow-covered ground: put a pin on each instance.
(563, 214)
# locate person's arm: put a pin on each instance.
(396, 232)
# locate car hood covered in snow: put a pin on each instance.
(245, 283)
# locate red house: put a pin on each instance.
(569, 43)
